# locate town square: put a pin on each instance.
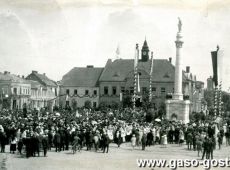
(114, 85)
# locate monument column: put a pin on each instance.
(177, 108)
(178, 67)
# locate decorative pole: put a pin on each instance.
(135, 74)
(215, 100)
(220, 99)
(150, 78)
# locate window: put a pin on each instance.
(86, 92)
(67, 91)
(122, 89)
(154, 89)
(162, 90)
(95, 92)
(15, 90)
(75, 92)
(94, 104)
(114, 89)
(144, 90)
(131, 89)
(106, 90)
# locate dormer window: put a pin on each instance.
(167, 75)
(116, 74)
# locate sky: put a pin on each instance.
(53, 36)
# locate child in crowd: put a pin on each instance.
(133, 141)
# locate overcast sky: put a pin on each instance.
(53, 36)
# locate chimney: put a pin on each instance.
(33, 71)
(23, 77)
(89, 66)
(44, 74)
(170, 59)
(187, 69)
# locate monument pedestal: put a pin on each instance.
(177, 110)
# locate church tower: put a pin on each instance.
(145, 52)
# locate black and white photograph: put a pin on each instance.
(114, 84)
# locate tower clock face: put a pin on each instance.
(144, 52)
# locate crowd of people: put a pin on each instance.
(40, 131)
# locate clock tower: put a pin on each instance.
(145, 52)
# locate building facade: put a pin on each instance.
(79, 87)
(15, 91)
(44, 91)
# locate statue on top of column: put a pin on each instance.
(179, 25)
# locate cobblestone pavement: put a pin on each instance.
(123, 158)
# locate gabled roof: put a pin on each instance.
(82, 77)
(120, 68)
(12, 78)
(163, 70)
(42, 78)
(35, 84)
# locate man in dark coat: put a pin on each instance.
(205, 148)
(50, 139)
(45, 144)
(105, 139)
(67, 139)
(143, 141)
(189, 140)
(149, 138)
(57, 141)
(3, 140)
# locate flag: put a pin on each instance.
(214, 66)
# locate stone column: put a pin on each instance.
(178, 68)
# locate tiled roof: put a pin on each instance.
(42, 78)
(163, 70)
(120, 68)
(12, 78)
(82, 77)
(34, 84)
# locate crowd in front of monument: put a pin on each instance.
(34, 132)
